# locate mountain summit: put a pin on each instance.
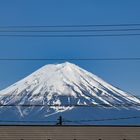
(57, 88)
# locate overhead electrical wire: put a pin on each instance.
(76, 25)
(72, 105)
(72, 59)
(69, 35)
(71, 121)
(72, 30)
(12, 121)
(103, 119)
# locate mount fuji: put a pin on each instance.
(79, 96)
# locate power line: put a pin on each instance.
(103, 119)
(72, 105)
(72, 59)
(72, 30)
(12, 121)
(81, 25)
(71, 36)
(72, 121)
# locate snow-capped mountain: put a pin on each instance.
(63, 89)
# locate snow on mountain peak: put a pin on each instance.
(64, 84)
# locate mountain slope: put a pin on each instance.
(62, 85)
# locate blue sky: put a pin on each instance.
(123, 74)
